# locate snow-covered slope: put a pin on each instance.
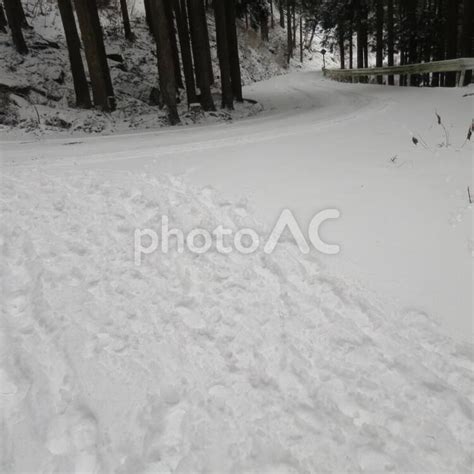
(49, 107)
(210, 363)
(244, 363)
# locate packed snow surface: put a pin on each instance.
(275, 363)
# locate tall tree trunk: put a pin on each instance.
(233, 45)
(92, 38)
(263, 25)
(390, 39)
(208, 48)
(14, 21)
(272, 16)
(79, 78)
(174, 45)
(281, 13)
(126, 20)
(379, 37)
(289, 36)
(342, 53)
(439, 44)
(3, 20)
(467, 36)
(200, 42)
(148, 15)
(351, 45)
(451, 38)
(186, 55)
(223, 54)
(164, 49)
(301, 38)
(360, 36)
(411, 11)
(294, 22)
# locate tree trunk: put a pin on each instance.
(263, 25)
(360, 37)
(351, 47)
(289, 36)
(272, 17)
(174, 45)
(186, 55)
(148, 15)
(79, 78)
(379, 37)
(233, 45)
(342, 54)
(281, 12)
(126, 20)
(223, 54)
(467, 36)
(164, 50)
(301, 38)
(92, 38)
(200, 41)
(14, 21)
(451, 38)
(390, 39)
(3, 20)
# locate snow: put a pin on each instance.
(244, 363)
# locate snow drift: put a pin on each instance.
(209, 363)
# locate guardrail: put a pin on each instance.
(460, 66)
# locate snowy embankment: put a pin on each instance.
(37, 95)
(210, 363)
(244, 363)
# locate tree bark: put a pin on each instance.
(148, 15)
(301, 38)
(263, 25)
(281, 12)
(126, 21)
(3, 20)
(379, 37)
(390, 39)
(174, 45)
(467, 36)
(223, 54)
(73, 41)
(14, 21)
(200, 42)
(185, 45)
(233, 45)
(164, 50)
(451, 38)
(342, 54)
(289, 36)
(92, 38)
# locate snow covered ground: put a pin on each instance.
(361, 361)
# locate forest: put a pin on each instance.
(361, 33)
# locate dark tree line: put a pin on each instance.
(400, 32)
(180, 31)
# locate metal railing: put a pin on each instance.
(460, 66)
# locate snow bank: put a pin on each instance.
(209, 363)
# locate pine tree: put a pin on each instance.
(166, 66)
(390, 39)
(223, 54)
(232, 43)
(126, 21)
(200, 42)
(379, 36)
(92, 38)
(3, 20)
(14, 16)
(79, 78)
(185, 45)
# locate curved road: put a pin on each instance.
(404, 229)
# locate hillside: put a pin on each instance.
(43, 101)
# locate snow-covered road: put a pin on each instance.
(321, 144)
(276, 363)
